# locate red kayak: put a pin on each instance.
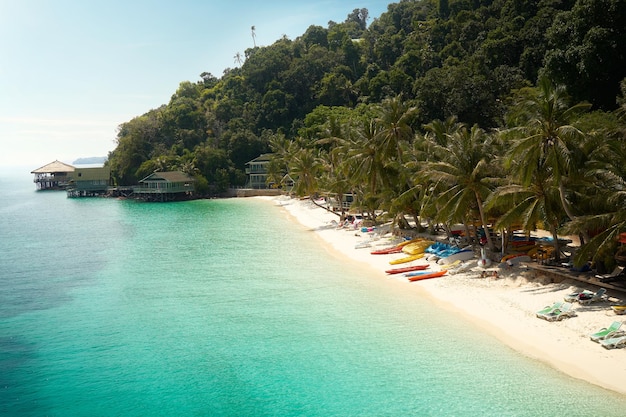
(428, 275)
(407, 269)
(395, 249)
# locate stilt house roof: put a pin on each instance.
(52, 167)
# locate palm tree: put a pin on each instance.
(253, 29)
(547, 137)
(305, 167)
(463, 167)
(278, 166)
(547, 142)
(533, 204)
(367, 163)
(607, 174)
(395, 119)
(238, 59)
(336, 170)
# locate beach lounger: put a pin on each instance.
(549, 309)
(558, 314)
(614, 342)
(617, 274)
(573, 297)
(586, 297)
(613, 330)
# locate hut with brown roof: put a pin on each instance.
(165, 186)
(53, 176)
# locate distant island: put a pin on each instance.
(90, 160)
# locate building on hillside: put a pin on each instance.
(53, 176)
(256, 172)
(89, 182)
(165, 186)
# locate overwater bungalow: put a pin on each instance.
(53, 176)
(165, 186)
(89, 182)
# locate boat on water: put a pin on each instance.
(427, 275)
(407, 269)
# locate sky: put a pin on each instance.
(72, 71)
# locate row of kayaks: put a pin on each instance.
(451, 259)
(417, 272)
(415, 249)
(418, 276)
(423, 248)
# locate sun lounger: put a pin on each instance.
(617, 274)
(548, 309)
(613, 330)
(614, 342)
(573, 297)
(586, 297)
(559, 313)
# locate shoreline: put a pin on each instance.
(504, 307)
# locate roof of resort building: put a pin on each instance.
(261, 158)
(92, 173)
(56, 166)
(169, 176)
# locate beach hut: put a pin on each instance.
(53, 176)
(165, 186)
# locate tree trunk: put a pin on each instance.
(557, 248)
(330, 210)
(484, 222)
(568, 211)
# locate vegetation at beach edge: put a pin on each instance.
(505, 113)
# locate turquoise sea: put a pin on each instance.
(227, 308)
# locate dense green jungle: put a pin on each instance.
(505, 113)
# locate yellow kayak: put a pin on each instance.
(416, 247)
(452, 265)
(408, 242)
(619, 309)
(407, 259)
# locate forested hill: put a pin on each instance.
(446, 58)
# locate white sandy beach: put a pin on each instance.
(504, 307)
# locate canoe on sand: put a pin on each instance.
(417, 247)
(407, 259)
(407, 269)
(394, 249)
(619, 309)
(463, 255)
(427, 275)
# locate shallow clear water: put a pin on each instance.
(224, 307)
